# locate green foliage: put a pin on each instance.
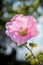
(28, 56)
(33, 62)
(40, 56)
(35, 4)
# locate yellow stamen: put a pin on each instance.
(22, 32)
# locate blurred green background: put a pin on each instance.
(8, 8)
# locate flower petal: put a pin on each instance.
(31, 21)
(19, 21)
(17, 17)
(34, 31)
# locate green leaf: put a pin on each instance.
(40, 56)
(32, 44)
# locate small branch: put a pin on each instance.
(32, 54)
(30, 51)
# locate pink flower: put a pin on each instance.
(21, 28)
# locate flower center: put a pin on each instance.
(22, 32)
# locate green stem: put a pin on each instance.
(30, 51)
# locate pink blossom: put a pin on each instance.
(21, 28)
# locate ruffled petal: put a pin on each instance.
(17, 17)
